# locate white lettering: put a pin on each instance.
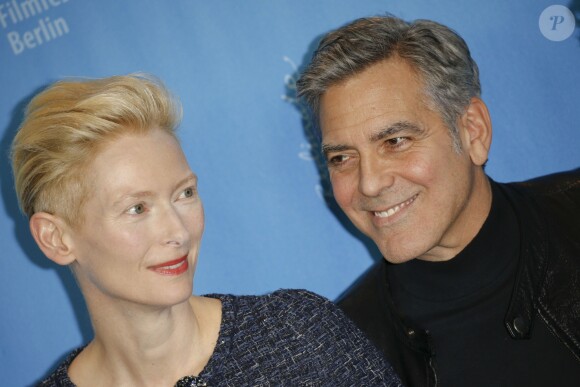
(15, 42)
(61, 26)
(16, 11)
(29, 40)
(3, 16)
(41, 28)
(30, 8)
(46, 31)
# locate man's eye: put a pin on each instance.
(137, 209)
(338, 159)
(396, 141)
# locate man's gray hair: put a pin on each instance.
(438, 54)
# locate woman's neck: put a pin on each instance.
(142, 345)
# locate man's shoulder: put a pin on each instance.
(364, 287)
(561, 183)
(555, 196)
(364, 301)
(555, 237)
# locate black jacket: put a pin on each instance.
(546, 290)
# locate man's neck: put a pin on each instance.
(467, 224)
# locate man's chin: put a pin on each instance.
(397, 259)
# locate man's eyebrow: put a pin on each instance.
(393, 129)
(326, 148)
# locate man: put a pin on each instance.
(482, 283)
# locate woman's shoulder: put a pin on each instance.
(298, 337)
(286, 311)
(278, 296)
(300, 295)
(298, 298)
(284, 303)
(59, 377)
(305, 302)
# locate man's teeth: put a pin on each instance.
(393, 210)
(386, 214)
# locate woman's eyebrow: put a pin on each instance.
(192, 177)
(132, 195)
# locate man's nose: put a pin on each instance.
(374, 176)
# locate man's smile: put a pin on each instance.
(394, 209)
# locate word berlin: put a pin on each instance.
(15, 12)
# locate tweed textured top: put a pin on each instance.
(286, 338)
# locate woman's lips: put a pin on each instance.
(175, 267)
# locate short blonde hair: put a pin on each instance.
(65, 126)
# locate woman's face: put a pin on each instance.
(143, 223)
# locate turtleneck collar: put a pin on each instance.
(482, 264)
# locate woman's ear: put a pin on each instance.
(476, 124)
(52, 235)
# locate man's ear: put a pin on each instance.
(52, 235)
(476, 125)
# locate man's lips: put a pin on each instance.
(394, 209)
(175, 267)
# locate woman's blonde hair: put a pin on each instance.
(65, 126)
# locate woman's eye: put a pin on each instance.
(188, 192)
(136, 209)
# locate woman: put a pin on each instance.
(108, 190)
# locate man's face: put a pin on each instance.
(394, 170)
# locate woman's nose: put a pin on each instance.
(174, 229)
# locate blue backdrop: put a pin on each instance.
(270, 222)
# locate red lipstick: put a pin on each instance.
(175, 267)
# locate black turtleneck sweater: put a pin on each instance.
(462, 304)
